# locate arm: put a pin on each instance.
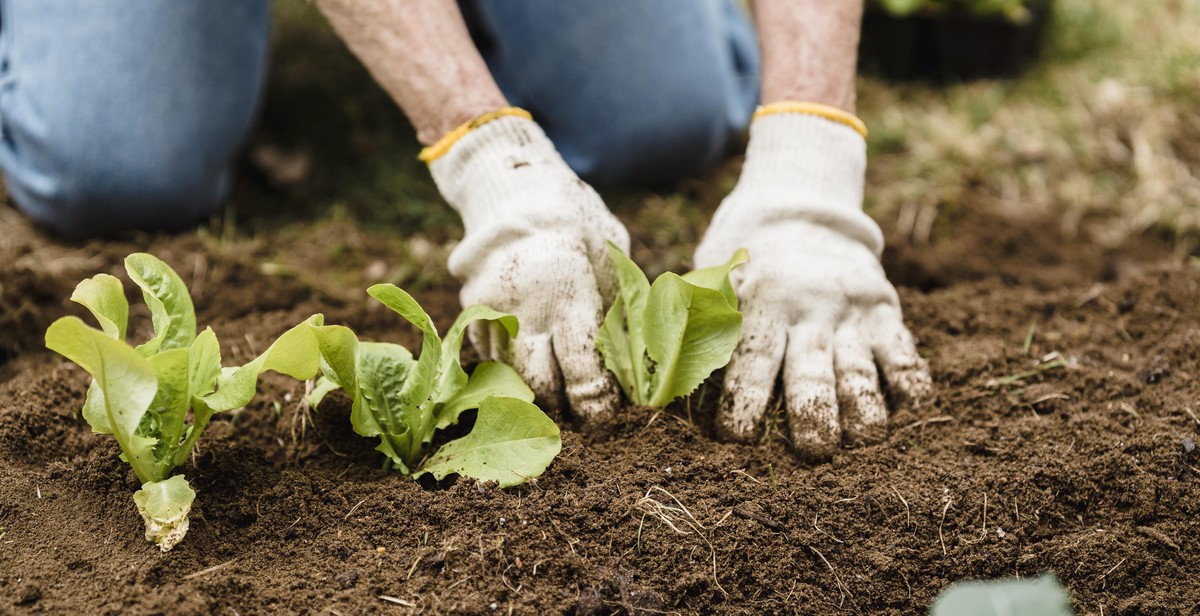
(421, 53)
(810, 50)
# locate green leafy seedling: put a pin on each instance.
(662, 340)
(143, 395)
(405, 401)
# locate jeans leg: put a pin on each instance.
(630, 91)
(124, 114)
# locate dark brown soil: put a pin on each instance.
(1088, 470)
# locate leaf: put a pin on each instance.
(620, 338)
(339, 352)
(323, 387)
(511, 442)
(451, 376)
(419, 388)
(488, 379)
(171, 309)
(171, 402)
(105, 298)
(164, 506)
(295, 353)
(126, 379)
(1041, 597)
(380, 408)
(204, 364)
(690, 332)
(717, 277)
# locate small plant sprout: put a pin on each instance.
(662, 340)
(143, 395)
(405, 401)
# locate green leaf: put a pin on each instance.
(717, 277)
(690, 332)
(164, 506)
(451, 376)
(489, 379)
(171, 309)
(94, 411)
(323, 387)
(171, 402)
(126, 379)
(419, 388)
(380, 407)
(103, 296)
(339, 354)
(511, 442)
(620, 339)
(1041, 597)
(296, 353)
(204, 364)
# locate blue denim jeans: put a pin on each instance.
(126, 114)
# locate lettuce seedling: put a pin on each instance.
(662, 340)
(142, 395)
(405, 401)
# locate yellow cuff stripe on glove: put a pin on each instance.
(443, 145)
(824, 111)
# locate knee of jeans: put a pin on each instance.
(658, 140)
(89, 196)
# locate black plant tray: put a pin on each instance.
(947, 48)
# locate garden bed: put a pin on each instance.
(1073, 452)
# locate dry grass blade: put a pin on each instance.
(678, 518)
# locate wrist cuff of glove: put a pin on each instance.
(806, 167)
(818, 163)
(443, 145)
(833, 114)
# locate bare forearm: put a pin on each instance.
(421, 53)
(810, 50)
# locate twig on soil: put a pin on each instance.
(1188, 410)
(211, 569)
(941, 538)
(924, 422)
(1111, 569)
(742, 471)
(907, 512)
(761, 519)
(397, 601)
(352, 509)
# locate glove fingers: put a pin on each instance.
(591, 389)
(904, 370)
(750, 377)
(864, 413)
(533, 359)
(809, 387)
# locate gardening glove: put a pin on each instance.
(816, 303)
(534, 246)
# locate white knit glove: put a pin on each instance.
(815, 299)
(534, 246)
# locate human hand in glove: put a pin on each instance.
(817, 306)
(534, 246)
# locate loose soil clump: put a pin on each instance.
(1062, 438)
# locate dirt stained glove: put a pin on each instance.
(816, 303)
(534, 246)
